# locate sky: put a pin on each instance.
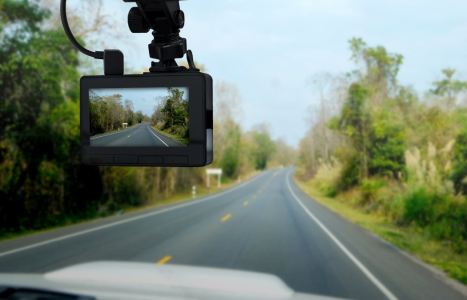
(269, 49)
(143, 99)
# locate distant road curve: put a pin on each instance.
(141, 135)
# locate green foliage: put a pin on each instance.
(459, 173)
(350, 175)
(231, 158)
(353, 114)
(131, 118)
(387, 133)
(381, 68)
(444, 217)
(107, 112)
(370, 188)
(386, 148)
(354, 122)
(27, 14)
(175, 109)
(34, 65)
(139, 116)
(95, 126)
(264, 148)
(448, 86)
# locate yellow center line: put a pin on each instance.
(226, 217)
(164, 260)
(246, 203)
(129, 135)
(254, 196)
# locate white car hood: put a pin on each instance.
(132, 280)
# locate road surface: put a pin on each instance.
(265, 224)
(141, 135)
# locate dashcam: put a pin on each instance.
(160, 118)
(147, 120)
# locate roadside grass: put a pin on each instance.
(181, 196)
(115, 130)
(414, 241)
(184, 141)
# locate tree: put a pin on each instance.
(139, 116)
(449, 87)
(386, 147)
(231, 156)
(115, 110)
(285, 155)
(381, 69)
(264, 147)
(229, 143)
(39, 117)
(174, 108)
(354, 122)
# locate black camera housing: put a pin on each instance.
(198, 153)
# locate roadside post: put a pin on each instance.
(217, 172)
(194, 192)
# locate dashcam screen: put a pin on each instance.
(139, 117)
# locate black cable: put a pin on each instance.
(69, 34)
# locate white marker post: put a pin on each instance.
(194, 192)
(217, 172)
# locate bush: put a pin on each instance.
(419, 207)
(443, 216)
(370, 190)
(350, 174)
(459, 174)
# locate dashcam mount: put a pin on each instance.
(165, 18)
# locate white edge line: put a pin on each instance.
(158, 138)
(124, 221)
(368, 274)
(152, 130)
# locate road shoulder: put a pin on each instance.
(179, 140)
(451, 267)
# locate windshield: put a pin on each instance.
(340, 145)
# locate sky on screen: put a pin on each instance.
(143, 99)
(270, 48)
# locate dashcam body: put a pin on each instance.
(143, 143)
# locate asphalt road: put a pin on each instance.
(141, 135)
(265, 224)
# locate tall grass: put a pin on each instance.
(327, 177)
(423, 198)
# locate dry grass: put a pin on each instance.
(184, 141)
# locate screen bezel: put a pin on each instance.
(196, 83)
